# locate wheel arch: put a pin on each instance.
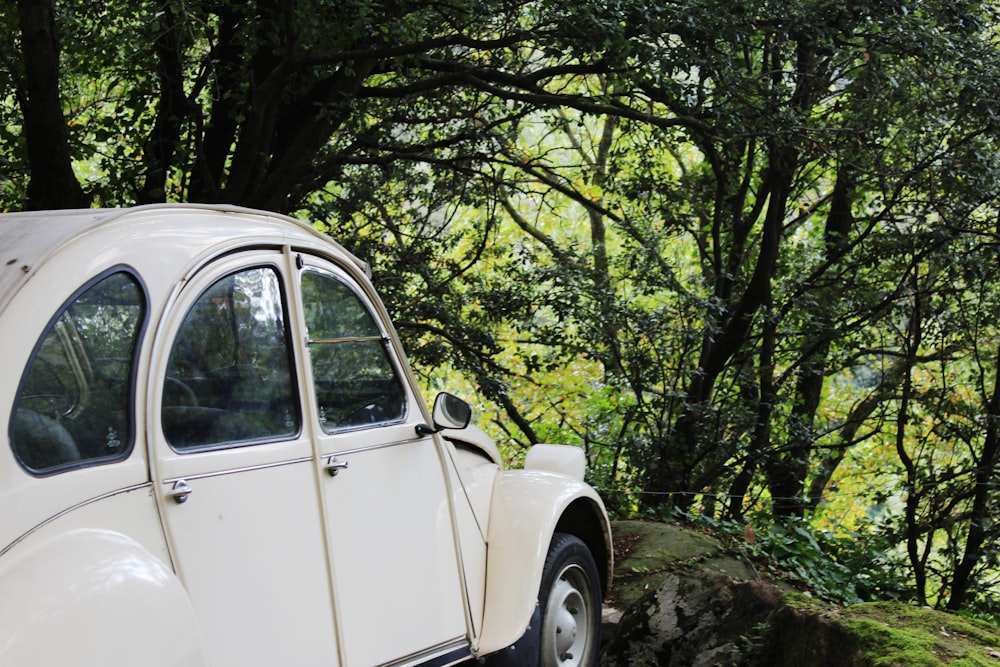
(528, 508)
(588, 521)
(90, 597)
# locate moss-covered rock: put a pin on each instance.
(878, 634)
(647, 551)
(690, 600)
(693, 619)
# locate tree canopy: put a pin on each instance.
(743, 252)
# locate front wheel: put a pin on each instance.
(570, 603)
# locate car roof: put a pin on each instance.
(27, 239)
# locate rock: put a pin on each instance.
(697, 620)
(802, 635)
(690, 602)
(610, 619)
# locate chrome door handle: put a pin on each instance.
(334, 466)
(181, 492)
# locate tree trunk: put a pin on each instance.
(760, 441)
(913, 492)
(52, 183)
(787, 470)
(673, 467)
(980, 518)
(165, 137)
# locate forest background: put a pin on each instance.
(746, 253)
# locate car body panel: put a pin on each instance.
(20, 232)
(387, 578)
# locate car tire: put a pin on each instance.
(570, 603)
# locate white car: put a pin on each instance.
(216, 454)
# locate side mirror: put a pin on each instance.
(449, 412)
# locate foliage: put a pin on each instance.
(841, 569)
(744, 254)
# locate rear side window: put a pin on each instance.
(229, 380)
(356, 383)
(74, 405)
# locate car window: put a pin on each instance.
(356, 382)
(229, 379)
(74, 403)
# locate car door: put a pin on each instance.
(235, 470)
(389, 522)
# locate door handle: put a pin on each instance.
(181, 492)
(334, 465)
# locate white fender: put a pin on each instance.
(569, 461)
(526, 509)
(94, 597)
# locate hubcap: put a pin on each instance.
(566, 636)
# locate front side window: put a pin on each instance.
(74, 403)
(229, 379)
(356, 383)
